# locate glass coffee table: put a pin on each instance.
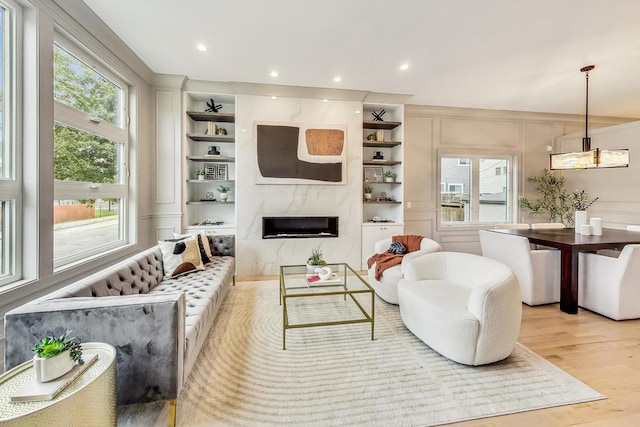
(342, 299)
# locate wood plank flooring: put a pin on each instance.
(600, 352)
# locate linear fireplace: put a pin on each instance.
(295, 227)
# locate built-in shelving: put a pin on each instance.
(202, 200)
(384, 125)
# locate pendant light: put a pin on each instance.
(588, 158)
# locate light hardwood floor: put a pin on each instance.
(600, 352)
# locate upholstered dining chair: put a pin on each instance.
(386, 286)
(547, 225)
(538, 271)
(609, 285)
(517, 226)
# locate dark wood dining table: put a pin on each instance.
(570, 245)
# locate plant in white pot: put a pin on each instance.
(367, 192)
(200, 174)
(55, 356)
(315, 260)
(389, 176)
(224, 193)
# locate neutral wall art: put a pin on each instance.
(301, 154)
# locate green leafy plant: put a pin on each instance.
(199, 172)
(51, 346)
(389, 174)
(581, 200)
(554, 203)
(368, 190)
(316, 257)
(223, 189)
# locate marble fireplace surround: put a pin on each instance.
(255, 200)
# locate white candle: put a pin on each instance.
(585, 230)
(596, 226)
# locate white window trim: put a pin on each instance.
(69, 190)
(11, 183)
(511, 155)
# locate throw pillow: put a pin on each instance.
(207, 251)
(397, 248)
(208, 248)
(181, 257)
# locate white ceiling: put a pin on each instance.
(499, 54)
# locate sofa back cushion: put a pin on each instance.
(135, 275)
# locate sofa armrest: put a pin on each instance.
(148, 332)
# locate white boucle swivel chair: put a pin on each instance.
(611, 286)
(538, 270)
(387, 286)
(466, 307)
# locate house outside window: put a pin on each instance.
(481, 195)
(90, 155)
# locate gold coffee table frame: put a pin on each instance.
(293, 284)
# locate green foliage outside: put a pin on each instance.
(81, 156)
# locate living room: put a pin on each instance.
(468, 122)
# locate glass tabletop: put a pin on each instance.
(297, 280)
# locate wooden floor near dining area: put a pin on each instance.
(600, 352)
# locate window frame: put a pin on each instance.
(11, 177)
(513, 160)
(71, 117)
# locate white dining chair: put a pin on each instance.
(538, 271)
(547, 225)
(517, 226)
(609, 285)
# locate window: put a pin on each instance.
(479, 189)
(90, 156)
(10, 170)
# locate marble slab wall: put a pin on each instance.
(256, 256)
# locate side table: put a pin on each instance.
(90, 400)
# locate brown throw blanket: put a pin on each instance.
(387, 259)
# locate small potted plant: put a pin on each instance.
(200, 174)
(367, 192)
(389, 176)
(315, 260)
(224, 192)
(55, 356)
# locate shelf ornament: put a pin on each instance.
(377, 117)
(212, 107)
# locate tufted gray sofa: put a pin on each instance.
(157, 325)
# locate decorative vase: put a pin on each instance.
(224, 197)
(200, 177)
(388, 179)
(311, 268)
(53, 367)
(580, 219)
(367, 196)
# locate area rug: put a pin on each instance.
(338, 376)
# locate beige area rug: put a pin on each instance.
(338, 376)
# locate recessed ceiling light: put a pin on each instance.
(274, 97)
(274, 74)
(201, 47)
(325, 100)
(337, 79)
(404, 67)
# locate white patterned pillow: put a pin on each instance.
(181, 257)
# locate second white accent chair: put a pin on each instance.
(538, 271)
(387, 287)
(611, 286)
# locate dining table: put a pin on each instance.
(570, 245)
